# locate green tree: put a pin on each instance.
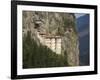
(35, 56)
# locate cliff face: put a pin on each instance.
(54, 24)
(70, 48)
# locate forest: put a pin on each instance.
(39, 56)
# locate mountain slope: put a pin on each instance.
(53, 24)
(83, 31)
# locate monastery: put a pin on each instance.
(52, 42)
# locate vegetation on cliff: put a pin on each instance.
(35, 56)
(55, 24)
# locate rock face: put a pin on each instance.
(70, 47)
(54, 24)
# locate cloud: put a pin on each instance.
(77, 15)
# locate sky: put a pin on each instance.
(79, 15)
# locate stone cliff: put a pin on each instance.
(54, 24)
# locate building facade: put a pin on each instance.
(52, 42)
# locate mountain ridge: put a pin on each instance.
(83, 31)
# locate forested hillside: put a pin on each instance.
(53, 24)
(40, 56)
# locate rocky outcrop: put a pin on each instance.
(54, 24)
(70, 48)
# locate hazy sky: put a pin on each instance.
(79, 15)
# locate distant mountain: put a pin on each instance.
(83, 31)
(83, 23)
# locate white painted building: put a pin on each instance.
(52, 42)
(58, 46)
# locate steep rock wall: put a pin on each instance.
(53, 24)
